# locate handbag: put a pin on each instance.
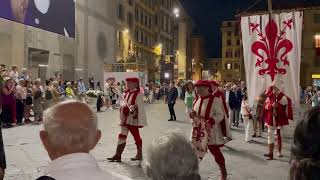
(250, 115)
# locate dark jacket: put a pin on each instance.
(172, 95)
(235, 100)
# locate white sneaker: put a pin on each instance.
(111, 109)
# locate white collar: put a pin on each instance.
(72, 161)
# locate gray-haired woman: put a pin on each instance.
(171, 157)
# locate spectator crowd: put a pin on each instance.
(22, 97)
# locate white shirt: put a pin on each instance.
(14, 76)
(79, 166)
(227, 97)
(107, 89)
(21, 92)
(245, 109)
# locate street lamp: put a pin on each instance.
(126, 30)
(176, 12)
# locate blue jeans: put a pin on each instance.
(236, 116)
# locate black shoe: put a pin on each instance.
(27, 121)
(7, 125)
(170, 120)
(19, 123)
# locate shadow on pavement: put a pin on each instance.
(237, 129)
(244, 154)
(182, 122)
(135, 170)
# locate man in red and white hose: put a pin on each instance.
(278, 111)
(132, 117)
(207, 115)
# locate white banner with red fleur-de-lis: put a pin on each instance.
(272, 52)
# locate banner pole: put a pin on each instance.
(270, 7)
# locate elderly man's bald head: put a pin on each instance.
(70, 126)
(73, 113)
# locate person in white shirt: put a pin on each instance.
(248, 119)
(14, 74)
(70, 132)
(21, 96)
(107, 92)
(82, 90)
(227, 95)
(24, 74)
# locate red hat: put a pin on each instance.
(204, 83)
(214, 83)
(133, 79)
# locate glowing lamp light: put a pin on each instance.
(166, 75)
(43, 65)
(317, 41)
(126, 31)
(176, 12)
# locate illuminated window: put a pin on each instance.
(228, 66)
(317, 41)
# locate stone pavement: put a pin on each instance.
(27, 159)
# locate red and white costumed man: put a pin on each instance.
(132, 118)
(217, 93)
(277, 112)
(207, 115)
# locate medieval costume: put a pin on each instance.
(207, 132)
(277, 112)
(225, 124)
(132, 117)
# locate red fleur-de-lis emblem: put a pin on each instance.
(271, 44)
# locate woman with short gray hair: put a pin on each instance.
(171, 157)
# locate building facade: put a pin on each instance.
(182, 28)
(164, 21)
(198, 57)
(47, 54)
(126, 54)
(310, 60)
(232, 56)
(145, 37)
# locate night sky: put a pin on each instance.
(209, 14)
